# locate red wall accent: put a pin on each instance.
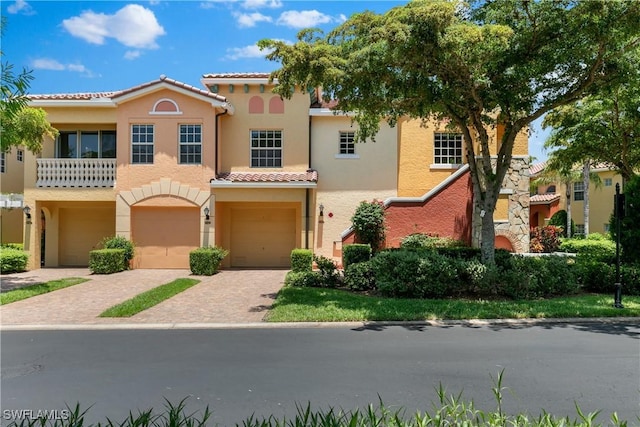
(447, 214)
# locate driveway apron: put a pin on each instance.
(231, 296)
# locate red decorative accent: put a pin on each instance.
(330, 214)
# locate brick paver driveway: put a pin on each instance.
(231, 296)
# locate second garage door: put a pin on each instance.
(262, 237)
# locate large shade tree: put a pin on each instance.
(477, 65)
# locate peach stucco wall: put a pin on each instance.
(294, 122)
(166, 155)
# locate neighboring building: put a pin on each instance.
(11, 188)
(550, 198)
(174, 167)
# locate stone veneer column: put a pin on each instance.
(516, 185)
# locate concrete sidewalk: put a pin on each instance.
(231, 296)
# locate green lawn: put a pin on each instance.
(41, 288)
(331, 305)
(149, 298)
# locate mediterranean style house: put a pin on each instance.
(548, 199)
(174, 167)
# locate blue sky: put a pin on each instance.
(92, 46)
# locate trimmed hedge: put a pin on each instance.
(206, 261)
(360, 276)
(429, 241)
(301, 260)
(18, 246)
(593, 248)
(13, 260)
(303, 279)
(107, 261)
(328, 270)
(119, 242)
(354, 253)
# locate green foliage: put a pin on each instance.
(107, 261)
(630, 225)
(545, 239)
(368, 224)
(595, 276)
(360, 276)
(13, 260)
(301, 260)
(559, 219)
(538, 277)
(303, 279)
(594, 248)
(18, 246)
(27, 127)
(328, 270)
(414, 274)
(429, 241)
(119, 242)
(354, 253)
(206, 261)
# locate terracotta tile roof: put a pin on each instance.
(71, 96)
(543, 198)
(308, 176)
(236, 76)
(116, 94)
(537, 168)
(324, 104)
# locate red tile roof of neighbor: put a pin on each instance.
(116, 94)
(537, 168)
(308, 176)
(543, 198)
(236, 76)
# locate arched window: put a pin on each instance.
(256, 105)
(276, 105)
(165, 106)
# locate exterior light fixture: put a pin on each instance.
(321, 218)
(27, 212)
(206, 213)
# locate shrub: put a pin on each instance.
(629, 230)
(592, 248)
(303, 279)
(355, 253)
(119, 242)
(545, 239)
(559, 219)
(595, 276)
(538, 277)
(206, 261)
(459, 252)
(301, 260)
(429, 241)
(107, 261)
(414, 274)
(630, 279)
(360, 276)
(368, 224)
(13, 260)
(18, 246)
(328, 270)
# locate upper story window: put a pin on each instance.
(191, 144)
(447, 148)
(266, 148)
(347, 144)
(86, 144)
(2, 163)
(578, 191)
(142, 140)
(608, 182)
(20, 155)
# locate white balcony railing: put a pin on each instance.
(80, 173)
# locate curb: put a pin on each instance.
(323, 325)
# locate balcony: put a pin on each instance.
(76, 173)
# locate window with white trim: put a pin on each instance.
(2, 163)
(347, 143)
(266, 148)
(191, 144)
(142, 143)
(608, 182)
(20, 155)
(579, 229)
(447, 148)
(578, 191)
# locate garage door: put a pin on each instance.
(164, 236)
(262, 237)
(81, 231)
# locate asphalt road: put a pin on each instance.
(237, 372)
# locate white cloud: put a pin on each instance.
(55, 65)
(210, 4)
(133, 26)
(252, 51)
(258, 4)
(303, 18)
(248, 20)
(20, 6)
(132, 54)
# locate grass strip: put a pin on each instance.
(332, 305)
(149, 298)
(38, 289)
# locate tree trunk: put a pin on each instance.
(568, 184)
(586, 175)
(488, 236)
